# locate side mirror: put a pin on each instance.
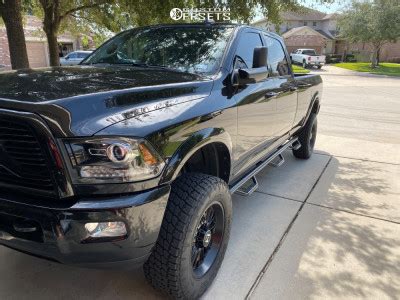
(258, 72)
(260, 57)
(252, 75)
(66, 58)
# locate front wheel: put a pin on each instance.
(307, 137)
(193, 237)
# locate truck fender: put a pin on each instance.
(193, 143)
(310, 108)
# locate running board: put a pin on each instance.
(280, 160)
(248, 187)
(296, 145)
(278, 153)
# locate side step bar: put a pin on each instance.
(252, 185)
(249, 187)
(280, 160)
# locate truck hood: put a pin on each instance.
(82, 100)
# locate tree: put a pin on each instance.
(376, 22)
(10, 11)
(116, 15)
(56, 11)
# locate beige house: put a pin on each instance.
(36, 44)
(317, 30)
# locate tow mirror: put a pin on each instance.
(258, 72)
(252, 75)
(260, 57)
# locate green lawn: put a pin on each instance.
(383, 68)
(299, 70)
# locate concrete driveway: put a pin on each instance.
(324, 228)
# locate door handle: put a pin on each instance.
(271, 94)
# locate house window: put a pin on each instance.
(314, 24)
(305, 23)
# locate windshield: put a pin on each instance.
(188, 49)
(309, 52)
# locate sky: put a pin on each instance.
(326, 8)
(336, 6)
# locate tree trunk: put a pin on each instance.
(374, 57)
(378, 56)
(10, 11)
(345, 51)
(53, 48)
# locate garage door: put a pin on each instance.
(36, 54)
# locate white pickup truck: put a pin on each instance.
(307, 58)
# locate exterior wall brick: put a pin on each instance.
(388, 52)
(4, 50)
(305, 41)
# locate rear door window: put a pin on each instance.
(276, 57)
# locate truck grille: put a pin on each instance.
(23, 162)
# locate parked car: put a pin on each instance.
(307, 58)
(131, 158)
(74, 58)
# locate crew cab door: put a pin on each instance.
(283, 86)
(255, 110)
(266, 109)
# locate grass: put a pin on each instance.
(383, 68)
(299, 70)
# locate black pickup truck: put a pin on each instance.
(131, 158)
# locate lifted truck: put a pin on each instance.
(131, 157)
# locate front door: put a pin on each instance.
(266, 109)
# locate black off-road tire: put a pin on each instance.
(307, 137)
(170, 267)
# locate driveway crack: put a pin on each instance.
(272, 256)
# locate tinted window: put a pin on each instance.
(276, 57)
(82, 54)
(194, 49)
(309, 52)
(248, 41)
(71, 55)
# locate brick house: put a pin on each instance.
(36, 44)
(317, 30)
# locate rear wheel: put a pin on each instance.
(307, 138)
(193, 237)
(319, 67)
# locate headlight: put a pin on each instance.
(108, 160)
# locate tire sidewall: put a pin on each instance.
(188, 280)
(309, 132)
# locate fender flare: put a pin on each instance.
(193, 143)
(314, 98)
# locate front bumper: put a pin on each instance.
(60, 233)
